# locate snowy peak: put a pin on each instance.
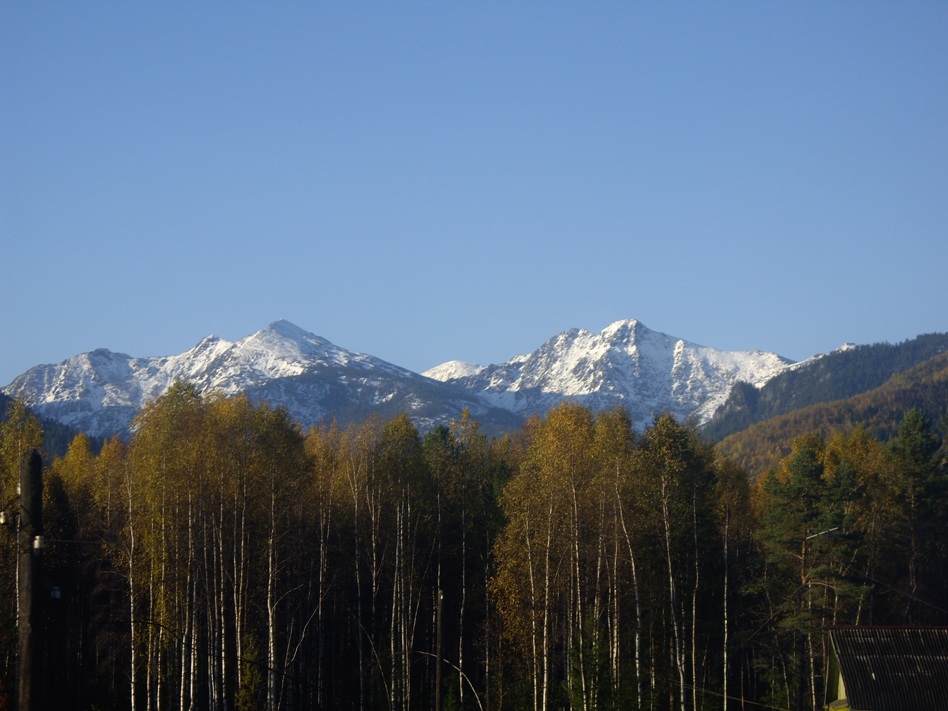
(281, 350)
(625, 364)
(282, 340)
(289, 340)
(578, 362)
(453, 369)
(290, 331)
(624, 331)
(100, 392)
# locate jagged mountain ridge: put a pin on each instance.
(626, 364)
(101, 392)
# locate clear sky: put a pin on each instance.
(427, 181)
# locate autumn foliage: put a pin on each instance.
(223, 558)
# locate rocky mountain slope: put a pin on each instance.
(626, 364)
(100, 392)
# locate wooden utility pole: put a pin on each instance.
(29, 545)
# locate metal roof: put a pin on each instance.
(893, 668)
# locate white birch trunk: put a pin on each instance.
(673, 597)
(639, 678)
(579, 623)
(271, 606)
(545, 648)
(535, 656)
(133, 636)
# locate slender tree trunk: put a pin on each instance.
(694, 606)
(355, 487)
(487, 635)
(393, 632)
(159, 606)
(184, 693)
(724, 644)
(324, 526)
(271, 607)
(639, 677)
(811, 651)
(239, 573)
(546, 611)
(220, 598)
(195, 648)
(615, 650)
(373, 510)
(150, 644)
(133, 636)
(673, 597)
(412, 598)
(579, 623)
(461, 684)
(438, 599)
(597, 610)
(534, 633)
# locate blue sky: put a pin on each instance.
(426, 181)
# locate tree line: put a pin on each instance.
(840, 375)
(923, 387)
(223, 558)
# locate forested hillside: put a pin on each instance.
(225, 559)
(835, 376)
(924, 387)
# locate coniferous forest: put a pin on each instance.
(222, 558)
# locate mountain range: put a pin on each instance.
(836, 397)
(837, 377)
(627, 364)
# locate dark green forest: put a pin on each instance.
(839, 375)
(224, 558)
(880, 410)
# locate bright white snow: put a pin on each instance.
(626, 364)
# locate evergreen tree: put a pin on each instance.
(924, 483)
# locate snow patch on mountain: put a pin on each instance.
(820, 356)
(626, 364)
(100, 392)
(453, 369)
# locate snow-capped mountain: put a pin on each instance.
(626, 364)
(101, 392)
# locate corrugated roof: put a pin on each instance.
(893, 668)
